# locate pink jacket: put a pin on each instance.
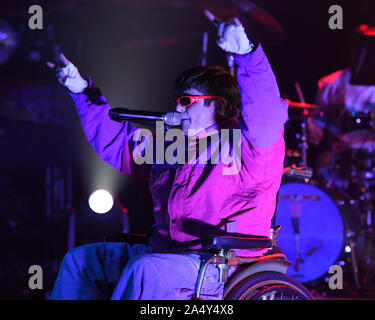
(192, 200)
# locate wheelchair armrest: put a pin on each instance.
(131, 238)
(230, 242)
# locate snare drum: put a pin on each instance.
(316, 225)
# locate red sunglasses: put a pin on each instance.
(187, 101)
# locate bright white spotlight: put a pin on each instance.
(101, 201)
(348, 249)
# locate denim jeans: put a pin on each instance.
(117, 271)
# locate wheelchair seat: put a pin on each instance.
(231, 242)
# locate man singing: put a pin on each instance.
(190, 199)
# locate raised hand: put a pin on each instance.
(68, 75)
(232, 36)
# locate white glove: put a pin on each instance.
(232, 37)
(69, 76)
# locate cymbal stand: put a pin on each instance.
(352, 244)
(303, 138)
(305, 113)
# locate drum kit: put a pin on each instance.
(329, 220)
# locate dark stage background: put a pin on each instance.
(133, 50)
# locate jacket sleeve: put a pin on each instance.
(263, 111)
(116, 143)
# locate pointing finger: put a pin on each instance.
(220, 25)
(51, 65)
(237, 22)
(64, 60)
(210, 16)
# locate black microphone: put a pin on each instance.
(121, 114)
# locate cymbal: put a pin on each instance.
(302, 105)
(359, 139)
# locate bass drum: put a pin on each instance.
(316, 225)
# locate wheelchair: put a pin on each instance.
(255, 278)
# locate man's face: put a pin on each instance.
(197, 116)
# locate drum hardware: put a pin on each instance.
(304, 145)
(297, 197)
(312, 250)
(295, 221)
(295, 224)
(299, 123)
(298, 172)
(302, 173)
(353, 251)
(297, 153)
(367, 264)
(303, 136)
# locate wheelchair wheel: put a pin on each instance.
(269, 286)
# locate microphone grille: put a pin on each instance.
(172, 119)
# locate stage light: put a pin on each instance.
(101, 201)
(348, 249)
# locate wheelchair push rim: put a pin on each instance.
(268, 286)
